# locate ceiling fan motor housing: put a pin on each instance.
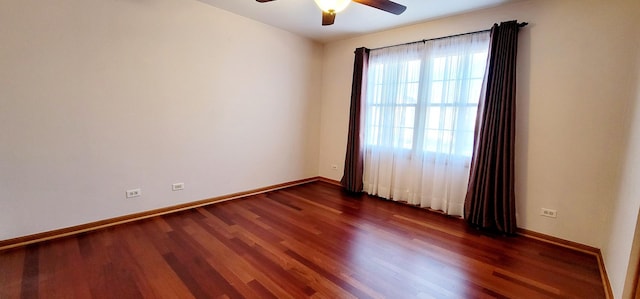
(332, 6)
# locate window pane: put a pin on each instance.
(445, 143)
(468, 118)
(448, 118)
(475, 87)
(414, 71)
(373, 126)
(377, 94)
(378, 71)
(466, 146)
(436, 92)
(433, 118)
(451, 91)
(452, 67)
(412, 93)
(479, 62)
(431, 140)
(437, 70)
(406, 138)
(404, 116)
(404, 120)
(409, 117)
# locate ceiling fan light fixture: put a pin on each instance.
(332, 6)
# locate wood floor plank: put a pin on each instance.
(31, 273)
(149, 264)
(65, 253)
(12, 266)
(309, 241)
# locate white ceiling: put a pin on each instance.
(303, 17)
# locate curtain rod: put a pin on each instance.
(437, 38)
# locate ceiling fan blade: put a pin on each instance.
(386, 5)
(262, 1)
(328, 18)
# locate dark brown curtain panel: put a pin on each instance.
(353, 162)
(490, 199)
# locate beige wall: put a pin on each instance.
(97, 97)
(621, 248)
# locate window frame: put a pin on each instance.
(424, 102)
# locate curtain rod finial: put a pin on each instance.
(523, 24)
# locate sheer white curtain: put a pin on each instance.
(419, 120)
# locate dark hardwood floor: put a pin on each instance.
(311, 240)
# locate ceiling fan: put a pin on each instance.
(331, 7)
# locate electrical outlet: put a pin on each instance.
(133, 193)
(548, 213)
(177, 186)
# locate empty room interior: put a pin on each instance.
(164, 132)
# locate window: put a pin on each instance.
(425, 102)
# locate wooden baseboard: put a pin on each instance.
(59, 233)
(575, 246)
(560, 242)
(329, 181)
